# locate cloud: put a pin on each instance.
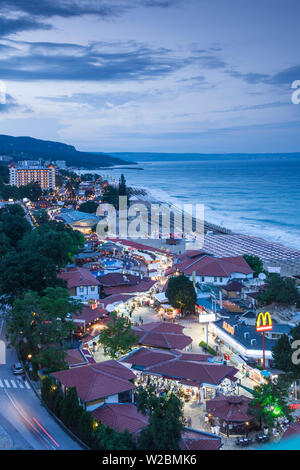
(275, 104)
(286, 76)
(98, 61)
(25, 15)
(14, 25)
(9, 105)
(252, 78)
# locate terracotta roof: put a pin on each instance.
(78, 277)
(99, 380)
(230, 408)
(90, 314)
(74, 357)
(137, 246)
(199, 440)
(147, 357)
(162, 335)
(234, 286)
(121, 417)
(119, 279)
(143, 286)
(194, 372)
(115, 298)
(207, 265)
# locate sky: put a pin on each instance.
(203, 76)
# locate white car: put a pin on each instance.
(17, 369)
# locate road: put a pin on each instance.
(22, 416)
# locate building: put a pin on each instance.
(32, 172)
(240, 339)
(162, 335)
(197, 374)
(203, 268)
(81, 221)
(81, 283)
(107, 382)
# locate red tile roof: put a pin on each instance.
(74, 357)
(119, 279)
(137, 246)
(115, 298)
(90, 314)
(99, 380)
(121, 417)
(143, 286)
(198, 440)
(209, 266)
(193, 372)
(162, 335)
(147, 357)
(230, 408)
(78, 277)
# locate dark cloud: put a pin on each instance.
(14, 25)
(286, 76)
(96, 62)
(251, 78)
(8, 104)
(25, 15)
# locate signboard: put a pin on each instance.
(228, 328)
(264, 322)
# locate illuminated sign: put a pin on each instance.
(264, 322)
(228, 328)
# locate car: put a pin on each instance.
(17, 369)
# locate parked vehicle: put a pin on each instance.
(17, 369)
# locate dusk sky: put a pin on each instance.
(207, 76)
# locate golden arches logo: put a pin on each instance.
(264, 322)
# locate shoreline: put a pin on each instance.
(142, 194)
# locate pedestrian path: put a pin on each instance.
(14, 383)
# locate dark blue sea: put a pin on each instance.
(251, 194)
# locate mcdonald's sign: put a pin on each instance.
(264, 322)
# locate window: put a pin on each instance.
(92, 288)
(125, 397)
(81, 289)
(215, 279)
(221, 279)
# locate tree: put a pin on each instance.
(166, 420)
(270, 401)
(181, 293)
(90, 207)
(43, 323)
(255, 263)
(41, 217)
(70, 410)
(13, 223)
(282, 290)
(118, 338)
(32, 191)
(283, 351)
(57, 246)
(28, 271)
(110, 196)
(282, 354)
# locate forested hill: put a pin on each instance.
(28, 148)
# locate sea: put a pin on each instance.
(252, 194)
